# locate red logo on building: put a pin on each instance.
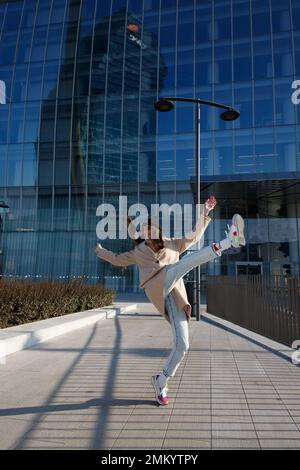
(133, 27)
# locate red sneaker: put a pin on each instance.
(160, 393)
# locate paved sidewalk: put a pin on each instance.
(91, 389)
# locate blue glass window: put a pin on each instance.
(20, 82)
(285, 109)
(168, 35)
(77, 210)
(16, 125)
(283, 60)
(102, 9)
(244, 158)
(65, 87)
(184, 118)
(24, 44)
(185, 69)
(262, 58)
(35, 81)
(42, 17)
(260, 17)
(69, 43)
(29, 165)
(281, 20)
(207, 149)
(185, 33)
(82, 78)
(243, 102)
(60, 222)
(80, 120)
(264, 112)
(87, 10)
(50, 80)
(2, 13)
(46, 162)
(54, 42)
(203, 66)
(32, 122)
(29, 14)
(85, 41)
(44, 215)
(286, 148)
(63, 129)
(220, 158)
(297, 52)
(165, 163)
(296, 15)
(242, 62)
(13, 16)
(223, 64)
(58, 11)
(47, 121)
(3, 123)
(3, 151)
(62, 164)
(264, 150)
(222, 25)
(2, 172)
(7, 48)
(14, 168)
(241, 25)
(39, 44)
(6, 76)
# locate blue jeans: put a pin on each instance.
(178, 318)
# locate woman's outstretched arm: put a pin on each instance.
(184, 243)
(118, 259)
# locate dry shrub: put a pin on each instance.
(26, 301)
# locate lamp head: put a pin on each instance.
(164, 105)
(230, 115)
(4, 208)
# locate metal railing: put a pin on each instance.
(269, 306)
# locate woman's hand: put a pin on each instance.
(209, 205)
(98, 248)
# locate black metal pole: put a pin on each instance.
(198, 189)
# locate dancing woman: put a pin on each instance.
(161, 275)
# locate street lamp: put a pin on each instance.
(4, 209)
(230, 114)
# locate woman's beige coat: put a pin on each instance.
(152, 266)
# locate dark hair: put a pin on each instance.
(157, 242)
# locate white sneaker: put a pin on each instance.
(161, 394)
(236, 231)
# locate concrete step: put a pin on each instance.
(24, 336)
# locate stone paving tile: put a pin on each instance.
(231, 426)
(203, 425)
(235, 444)
(280, 444)
(233, 434)
(186, 443)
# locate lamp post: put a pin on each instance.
(230, 114)
(4, 209)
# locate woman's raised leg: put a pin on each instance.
(235, 237)
(177, 270)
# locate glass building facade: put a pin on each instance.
(78, 80)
